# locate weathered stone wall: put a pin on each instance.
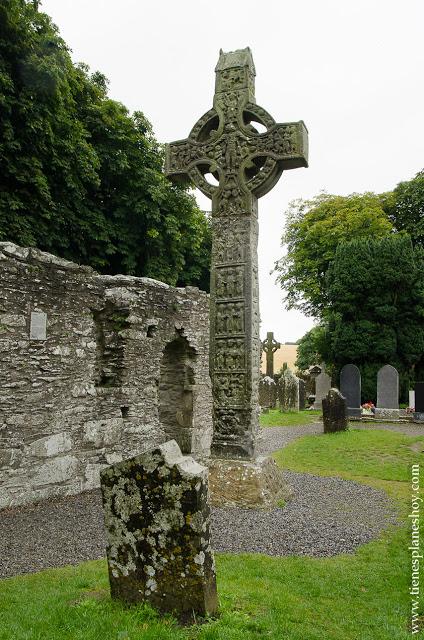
(89, 392)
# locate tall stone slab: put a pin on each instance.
(334, 412)
(246, 164)
(302, 395)
(156, 514)
(270, 346)
(322, 387)
(387, 393)
(288, 391)
(419, 402)
(267, 393)
(350, 388)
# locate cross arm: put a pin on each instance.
(286, 143)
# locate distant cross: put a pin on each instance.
(270, 346)
(246, 164)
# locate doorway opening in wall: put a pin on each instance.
(176, 387)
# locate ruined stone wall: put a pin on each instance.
(79, 386)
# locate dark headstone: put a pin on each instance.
(350, 388)
(419, 402)
(156, 513)
(334, 411)
(302, 394)
(387, 393)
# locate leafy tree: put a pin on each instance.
(375, 290)
(312, 233)
(406, 208)
(80, 176)
(313, 348)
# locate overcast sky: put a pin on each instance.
(352, 70)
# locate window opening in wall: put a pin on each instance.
(109, 326)
(176, 386)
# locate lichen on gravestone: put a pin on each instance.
(156, 511)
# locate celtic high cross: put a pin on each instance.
(270, 346)
(246, 164)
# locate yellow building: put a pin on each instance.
(286, 353)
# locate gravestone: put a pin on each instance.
(246, 164)
(387, 393)
(156, 513)
(419, 402)
(288, 391)
(411, 399)
(350, 388)
(302, 395)
(334, 412)
(267, 393)
(322, 387)
(270, 346)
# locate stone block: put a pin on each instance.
(50, 446)
(387, 414)
(57, 470)
(256, 483)
(157, 522)
(102, 433)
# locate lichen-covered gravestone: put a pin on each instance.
(157, 513)
(334, 412)
(267, 393)
(288, 391)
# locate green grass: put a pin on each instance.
(383, 455)
(277, 418)
(363, 596)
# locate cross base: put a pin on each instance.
(257, 483)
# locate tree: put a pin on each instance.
(80, 176)
(406, 208)
(313, 230)
(375, 290)
(313, 348)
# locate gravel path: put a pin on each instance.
(325, 517)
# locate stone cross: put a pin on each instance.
(270, 346)
(245, 165)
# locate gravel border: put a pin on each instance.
(325, 517)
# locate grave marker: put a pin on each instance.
(387, 393)
(350, 388)
(156, 514)
(270, 346)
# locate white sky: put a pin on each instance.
(352, 70)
